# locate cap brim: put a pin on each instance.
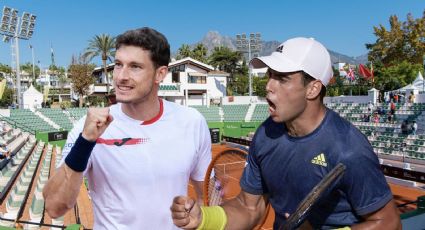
(276, 61)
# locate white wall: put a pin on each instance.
(371, 97)
(192, 68)
(217, 86)
(197, 100)
(345, 99)
(242, 100)
(32, 100)
(168, 78)
(173, 93)
(420, 98)
(177, 100)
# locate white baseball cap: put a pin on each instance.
(299, 54)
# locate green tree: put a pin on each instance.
(336, 84)
(27, 67)
(5, 68)
(227, 60)
(389, 44)
(239, 85)
(242, 68)
(404, 41)
(183, 52)
(415, 35)
(397, 53)
(362, 86)
(57, 70)
(98, 101)
(104, 46)
(396, 76)
(200, 52)
(7, 98)
(81, 76)
(259, 86)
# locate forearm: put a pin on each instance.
(391, 223)
(377, 224)
(241, 216)
(61, 191)
(385, 218)
(198, 186)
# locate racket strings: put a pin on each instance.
(227, 171)
(216, 192)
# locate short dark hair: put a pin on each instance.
(307, 78)
(148, 39)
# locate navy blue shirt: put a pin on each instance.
(287, 168)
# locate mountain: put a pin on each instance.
(362, 59)
(268, 47)
(337, 57)
(214, 38)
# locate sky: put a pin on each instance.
(68, 25)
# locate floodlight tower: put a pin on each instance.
(13, 26)
(252, 46)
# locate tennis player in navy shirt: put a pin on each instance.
(294, 149)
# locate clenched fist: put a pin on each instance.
(97, 120)
(185, 212)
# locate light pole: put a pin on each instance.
(250, 45)
(423, 80)
(33, 65)
(13, 26)
(39, 65)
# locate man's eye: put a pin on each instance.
(279, 78)
(282, 79)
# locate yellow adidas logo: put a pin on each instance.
(320, 160)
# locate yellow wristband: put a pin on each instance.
(213, 218)
(344, 228)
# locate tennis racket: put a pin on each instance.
(302, 211)
(222, 178)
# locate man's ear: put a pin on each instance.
(161, 73)
(313, 89)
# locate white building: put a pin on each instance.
(191, 82)
(99, 87)
(54, 89)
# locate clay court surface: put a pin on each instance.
(401, 195)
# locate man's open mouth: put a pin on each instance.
(272, 106)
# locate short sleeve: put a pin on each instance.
(203, 154)
(364, 182)
(251, 180)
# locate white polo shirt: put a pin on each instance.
(137, 168)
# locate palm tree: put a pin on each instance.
(225, 59)
(101, 45)
(184, 51)
(199, 52)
